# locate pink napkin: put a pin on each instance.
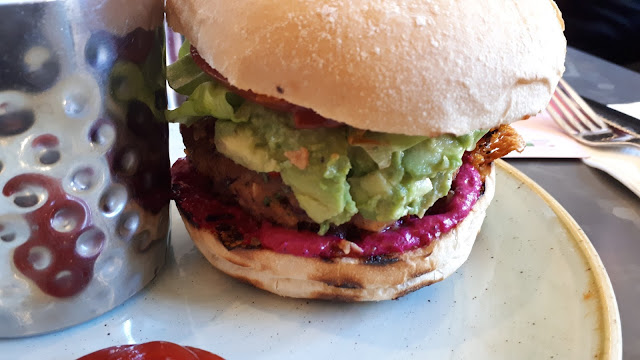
(545, 139)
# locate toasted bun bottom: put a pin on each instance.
(344, 278)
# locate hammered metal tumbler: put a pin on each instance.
(84, 164)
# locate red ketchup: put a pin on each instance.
(49, 257)
(154, 350)
(193, 196)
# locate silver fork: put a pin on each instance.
(577, 118)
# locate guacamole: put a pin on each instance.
(334, 173)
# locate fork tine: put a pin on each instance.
(588, 111)
(575, 110)
(560, 120)
(568, 115)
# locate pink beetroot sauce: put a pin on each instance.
(192, 195)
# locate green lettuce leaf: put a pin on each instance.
(208, 99)
(185, 48)
(184, 76)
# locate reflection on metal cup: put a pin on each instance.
(84, 164)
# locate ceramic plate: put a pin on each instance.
(533, 288)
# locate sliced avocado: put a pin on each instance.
(380, 146)
(361, 162)
(241, 141)
(438, 154)
(268, 141)
(433, 155)
(322, 198)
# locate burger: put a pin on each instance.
(344, 149)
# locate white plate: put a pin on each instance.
(533, 288)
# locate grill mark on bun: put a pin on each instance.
(380, 260)
(319, 295)
(344, 284)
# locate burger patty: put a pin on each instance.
(266, 197)
(262, 195)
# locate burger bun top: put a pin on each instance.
(421, 67)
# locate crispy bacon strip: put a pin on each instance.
(264, 100)
(494, 145)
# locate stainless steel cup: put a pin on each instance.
(84, 164)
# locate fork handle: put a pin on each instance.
(634, 142)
